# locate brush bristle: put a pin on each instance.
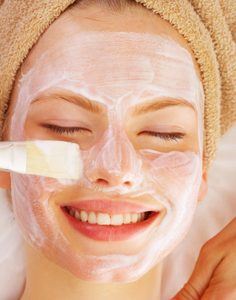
(57, 159)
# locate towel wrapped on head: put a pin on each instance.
(209, 27)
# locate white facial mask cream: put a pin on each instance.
(118, 71)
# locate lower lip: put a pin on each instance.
(110, 232)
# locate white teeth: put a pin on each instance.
(116, 219)
(83, 216)
(127, 219)
(103, 219)
(134, 218)
(77, 215)
(106, 219)
(92, 219)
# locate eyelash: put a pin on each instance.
(64, 130)
(167, 136)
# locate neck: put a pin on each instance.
(45, 280)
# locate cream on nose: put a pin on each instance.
(106, 178)
(113, 162)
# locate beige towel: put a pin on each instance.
(208, 25)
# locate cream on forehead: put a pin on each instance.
(111, 66)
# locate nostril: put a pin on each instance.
(111, 181)
(127, 183)
(101, 181)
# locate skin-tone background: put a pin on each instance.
(95, 18)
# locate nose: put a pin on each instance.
(114, 162)
(106, 178)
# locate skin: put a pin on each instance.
(94, 18)
(215, 271)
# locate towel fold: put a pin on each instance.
(209, 27)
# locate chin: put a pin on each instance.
(106, 269)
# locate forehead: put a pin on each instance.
(75, 21)
(114, 65)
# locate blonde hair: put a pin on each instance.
(116, 5)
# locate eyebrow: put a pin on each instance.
(160, 104)
(94, 107)
(76, 99)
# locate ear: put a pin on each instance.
(204, 186)
(5, 180)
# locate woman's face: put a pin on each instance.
(130, 96)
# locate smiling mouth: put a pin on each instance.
(101, 226)
(109, 220)
(103, 218)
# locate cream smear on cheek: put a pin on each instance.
(118, 70)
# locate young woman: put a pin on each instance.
(126, 86)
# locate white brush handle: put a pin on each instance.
(13, 156)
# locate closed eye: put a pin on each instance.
(167, 136)
(66, 130)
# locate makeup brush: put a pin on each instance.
(56, 159)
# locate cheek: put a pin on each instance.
(33, 212)
(174, 175)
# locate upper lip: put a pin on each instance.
(111, 206)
